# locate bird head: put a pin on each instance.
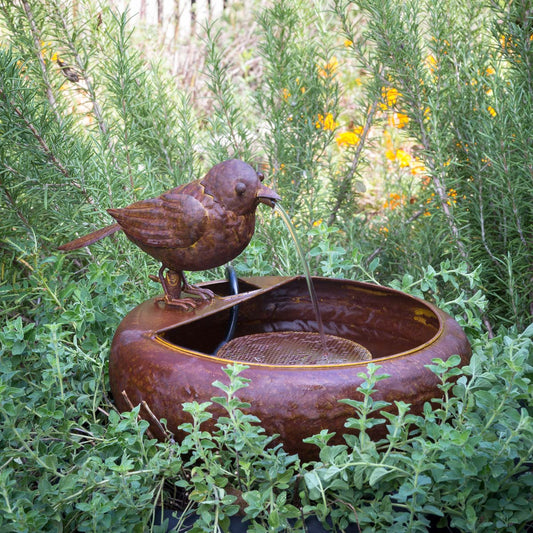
(237, 186)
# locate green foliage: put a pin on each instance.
(77, 148)
(68, 463)
(230, 134)
(464, 464)
(446, 97)
(69, 460)
(462, 75)
(436, 173)
(299, 87)
(235, 464)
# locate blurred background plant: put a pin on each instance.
(459, 156)
(397, 133)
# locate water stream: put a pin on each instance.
(312, 293)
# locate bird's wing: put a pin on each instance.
(172, 220)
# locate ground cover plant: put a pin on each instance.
(399, 136)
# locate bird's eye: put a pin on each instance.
(261, 176)
(240, 188)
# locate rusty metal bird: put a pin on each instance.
(196, 226)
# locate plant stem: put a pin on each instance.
(36, 35)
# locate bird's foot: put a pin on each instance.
(174, 283)
(184, 303)
(204, 294)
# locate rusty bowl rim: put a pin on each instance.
(436, 311)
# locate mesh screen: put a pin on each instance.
(293, 348)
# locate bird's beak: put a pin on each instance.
(268, 196)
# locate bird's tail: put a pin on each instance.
(86, 240)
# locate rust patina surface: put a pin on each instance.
(162, 355)
(197, 226)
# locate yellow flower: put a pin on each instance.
(398, 120)
(431, 63)
(350, 138)
(403, 158)
(417, 167)
(452, 193)
(390, 95)
(329, 68)
(317, 222)
(281, 169)
(389, 145)
(390, 155)
(395, 200)
(44, 47)
(492, 111)
(507, 42)
(348, 43)
(326, 122)
(347, 138)
(489, 71)
(286, 94)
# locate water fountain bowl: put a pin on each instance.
(166, 356)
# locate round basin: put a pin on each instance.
(166, 356)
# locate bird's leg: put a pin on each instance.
(204, 294)
(172, 283)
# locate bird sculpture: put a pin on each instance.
(200, 225)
